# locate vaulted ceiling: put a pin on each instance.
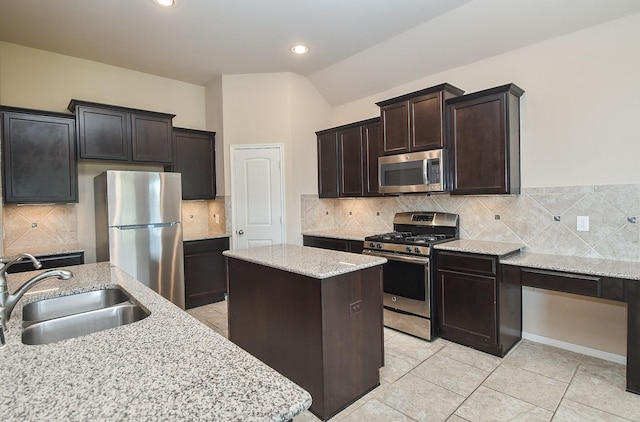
(357, 47)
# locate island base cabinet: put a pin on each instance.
(323, 334)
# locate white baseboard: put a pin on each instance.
(611, 357)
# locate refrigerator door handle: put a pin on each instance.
(145, 226)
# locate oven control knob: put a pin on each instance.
(372, 245)
(417, 250)
(394, 299)
(409, 249)
(379, 246)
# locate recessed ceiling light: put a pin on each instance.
(165, 3)
(299, 49)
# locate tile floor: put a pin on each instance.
(443, 381)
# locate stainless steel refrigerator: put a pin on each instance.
(139, 228)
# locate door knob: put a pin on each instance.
(240, 232)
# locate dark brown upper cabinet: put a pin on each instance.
(113, 133)
(415, 121)
(194, 157)
(483, 140)
(348, 160)
(38, 157)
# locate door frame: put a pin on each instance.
(237, 147)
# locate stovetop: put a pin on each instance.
(415, 232)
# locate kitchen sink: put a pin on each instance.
(72, 304)
(75, 315)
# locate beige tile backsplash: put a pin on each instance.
(29, 226)
(526, 218)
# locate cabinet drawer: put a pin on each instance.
(563, 282)
(481, 264)
(194, 247)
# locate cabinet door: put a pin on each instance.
(467, 307)
(395, 128)
(426, 122)
(39, 159)
(194, 158)
(484, 141)
(371, 142)
(49, 261)
(351, 159)
(204, 271)
(151, 139)
(328, 165)
(103, 134)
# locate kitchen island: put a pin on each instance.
(315, 315)
(167, 366)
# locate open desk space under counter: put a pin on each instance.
(314, 315)
(167, 366)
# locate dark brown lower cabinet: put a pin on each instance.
(49, 261)
(345, 245)
(323, 334)
(478, 304)
(205, 279)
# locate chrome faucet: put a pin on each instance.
(8, 301)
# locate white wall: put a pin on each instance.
(271, 109)
(38, 79)
(579, 112)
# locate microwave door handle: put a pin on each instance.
(425, 171)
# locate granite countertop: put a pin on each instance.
(45, 250)
(167, 366)
(575, 264)
(311, 262)
(341, 234)
(186, 237)
(479, 246)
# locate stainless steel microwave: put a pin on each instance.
(414, 172)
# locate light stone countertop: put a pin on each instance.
(311, 262)
(167, 366)
(186, 237)
(45, 250)
(479, 246)
(340, 234)
(575, 264)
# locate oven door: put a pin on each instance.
(406, 283)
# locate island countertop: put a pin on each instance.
(167, 366)
(305, 260)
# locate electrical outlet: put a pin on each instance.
(583, 223)
(355, 307)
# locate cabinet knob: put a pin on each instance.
(240, 232)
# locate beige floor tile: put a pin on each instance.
(455, 376)
(601, 384)
(396, 365)
(570, 411)
(306, 416)
(471, 356)
(413, 347)
(488, 405)
(375, 411)
(533, 388)
(544, 360)
(420, 399)
(456, 418)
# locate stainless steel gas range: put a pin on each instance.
(408, 290)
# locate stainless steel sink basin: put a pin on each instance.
(61, 318)
(72, 304)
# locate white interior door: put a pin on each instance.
(257, 195)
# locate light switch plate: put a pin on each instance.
(583, 223)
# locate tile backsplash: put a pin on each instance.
(543, 219)
(29, 226)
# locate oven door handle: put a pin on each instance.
(397, 257)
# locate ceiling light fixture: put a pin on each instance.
(165, 3)
(299, 49)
